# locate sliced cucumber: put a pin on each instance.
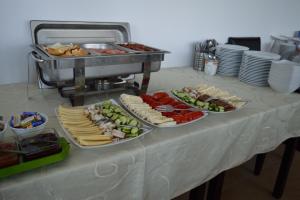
(118, 122)
(199, 103)
(181, 95)
(106, 104)
(135, 133)
(174, 92)
(206, 106)
(123, 119)
(192, 100)
(221, 109)
(126, 130)
(110, 114)
(105, 111)
(134, 130)
(133, 122)
(115, 116)
(118, 110)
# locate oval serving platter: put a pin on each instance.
(147, 129)
(163, 126)
(209, 111)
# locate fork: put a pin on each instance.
(169, 108)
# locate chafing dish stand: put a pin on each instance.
(77, 77)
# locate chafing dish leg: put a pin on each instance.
(79, 80)
(146, 77)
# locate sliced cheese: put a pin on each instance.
(93, 143)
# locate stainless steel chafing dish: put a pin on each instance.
(76, 77)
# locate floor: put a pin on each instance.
(241, 184)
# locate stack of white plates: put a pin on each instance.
(255, 67)
(284, 76)
(230, 57)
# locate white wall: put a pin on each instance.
(168, 24)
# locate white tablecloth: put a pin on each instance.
(166, 162)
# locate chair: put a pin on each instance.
(253, 43)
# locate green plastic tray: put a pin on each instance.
(26, 166)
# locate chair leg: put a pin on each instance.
(198, 193)
(215, 187)
(284, 169)
(259, 162)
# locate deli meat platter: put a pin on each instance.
(209, 98)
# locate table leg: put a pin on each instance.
(215, 187)
(259, 162)
(198, 193)
(284, 169)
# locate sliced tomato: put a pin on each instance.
(166, 100)
(183, 112)
(169, 114)
(193, 115)
(184, 119)
(154, 104)
(160, 95)
(175, 103)
(180, 118)
(149, 101)
(177, 118)
(146, 97)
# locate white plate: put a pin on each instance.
(263, 55)
(254, 80)
(164, 126)
(255, 61)
(70, 137)
(248, 71)
(257, 81)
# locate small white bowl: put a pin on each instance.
(24, 132)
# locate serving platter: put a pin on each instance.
(210, 111)
(162, 125)
(146, 129)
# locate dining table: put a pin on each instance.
(164, 163)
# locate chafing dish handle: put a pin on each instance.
(34, 57)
